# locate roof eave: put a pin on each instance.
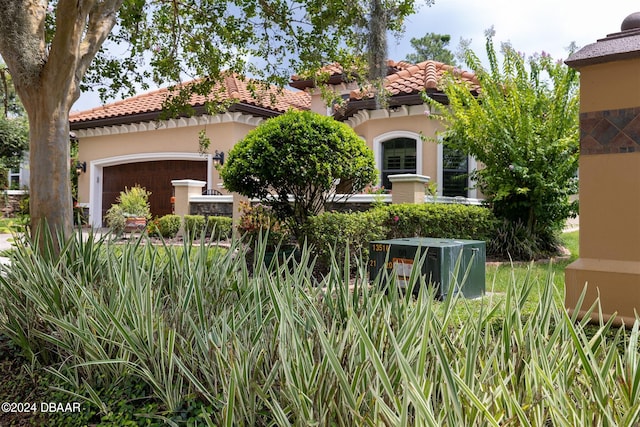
(155, 115)
(354, 106)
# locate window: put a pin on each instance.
(455, 171)
(398, 156)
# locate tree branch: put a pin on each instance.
(22, 44)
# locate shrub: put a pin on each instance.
(219, 227)
(439, 220)
(299, 154)
(339, 231)
(513, 240)
(357, 229)
(134, 202)
(258, 220)
(115, 220)
(169, 225)
(193, 225)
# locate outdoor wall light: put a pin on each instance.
(218, 158)
(81, 167)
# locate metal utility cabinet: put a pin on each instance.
(450, 264)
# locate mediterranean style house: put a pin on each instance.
(127, 142)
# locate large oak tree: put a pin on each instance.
(56, 49)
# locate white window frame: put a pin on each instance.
(382, 138)
(472, 192)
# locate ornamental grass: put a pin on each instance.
(273, 345)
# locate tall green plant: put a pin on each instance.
(301, 155)
(523, 127)
(278, 347)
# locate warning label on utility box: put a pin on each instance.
(402, 268)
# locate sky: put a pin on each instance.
(531, 26)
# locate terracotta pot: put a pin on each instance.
(135, 224)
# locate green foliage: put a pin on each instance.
(431, 46)
(513, 240)
(194, 225)
(115, 220)
(219, 227)
(453, 221)
(259, 222)
(190, 340)
(301, 154)
(336, 232)
(209, 38)
(523, 128)
(14, 141)
(166, 226)
(134, 202)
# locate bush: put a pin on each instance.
(169, 225)
(300, 154)
(513, 240)
(115, 220)
(134, 202)
(193, 225)
(259, 220)
(219, 227)
(337, 230)
(439, 220)
(395, 221)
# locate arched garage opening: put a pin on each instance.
(153, 173)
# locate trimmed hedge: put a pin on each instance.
(219, 227)
(339, 230)
(193, 225)
(439, 220)
(169, 225)
(355, 230)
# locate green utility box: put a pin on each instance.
(449, 264)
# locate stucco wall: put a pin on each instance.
(611, 85)
(376, 130)
(163, 139)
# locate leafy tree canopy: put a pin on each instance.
(56, 49)
(523, 128)
(431, 47)
(14, 141)
(302, 154)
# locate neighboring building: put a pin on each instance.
(126, 143)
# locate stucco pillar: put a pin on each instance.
(408, 188)
(609, 263)
(238, 200)
(183, 189)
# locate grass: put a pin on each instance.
(191, 339)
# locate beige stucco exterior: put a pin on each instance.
(609, 86)
(608, 269)
(178, 140)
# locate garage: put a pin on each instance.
(155, 176)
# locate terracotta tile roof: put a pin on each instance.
(231, 88)
(407, 79)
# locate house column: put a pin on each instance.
(608, 269)
(183, 189)
(408, 188)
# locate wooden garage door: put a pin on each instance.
(155, 176)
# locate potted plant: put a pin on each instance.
(131, 212)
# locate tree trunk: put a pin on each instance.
(50, 185)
